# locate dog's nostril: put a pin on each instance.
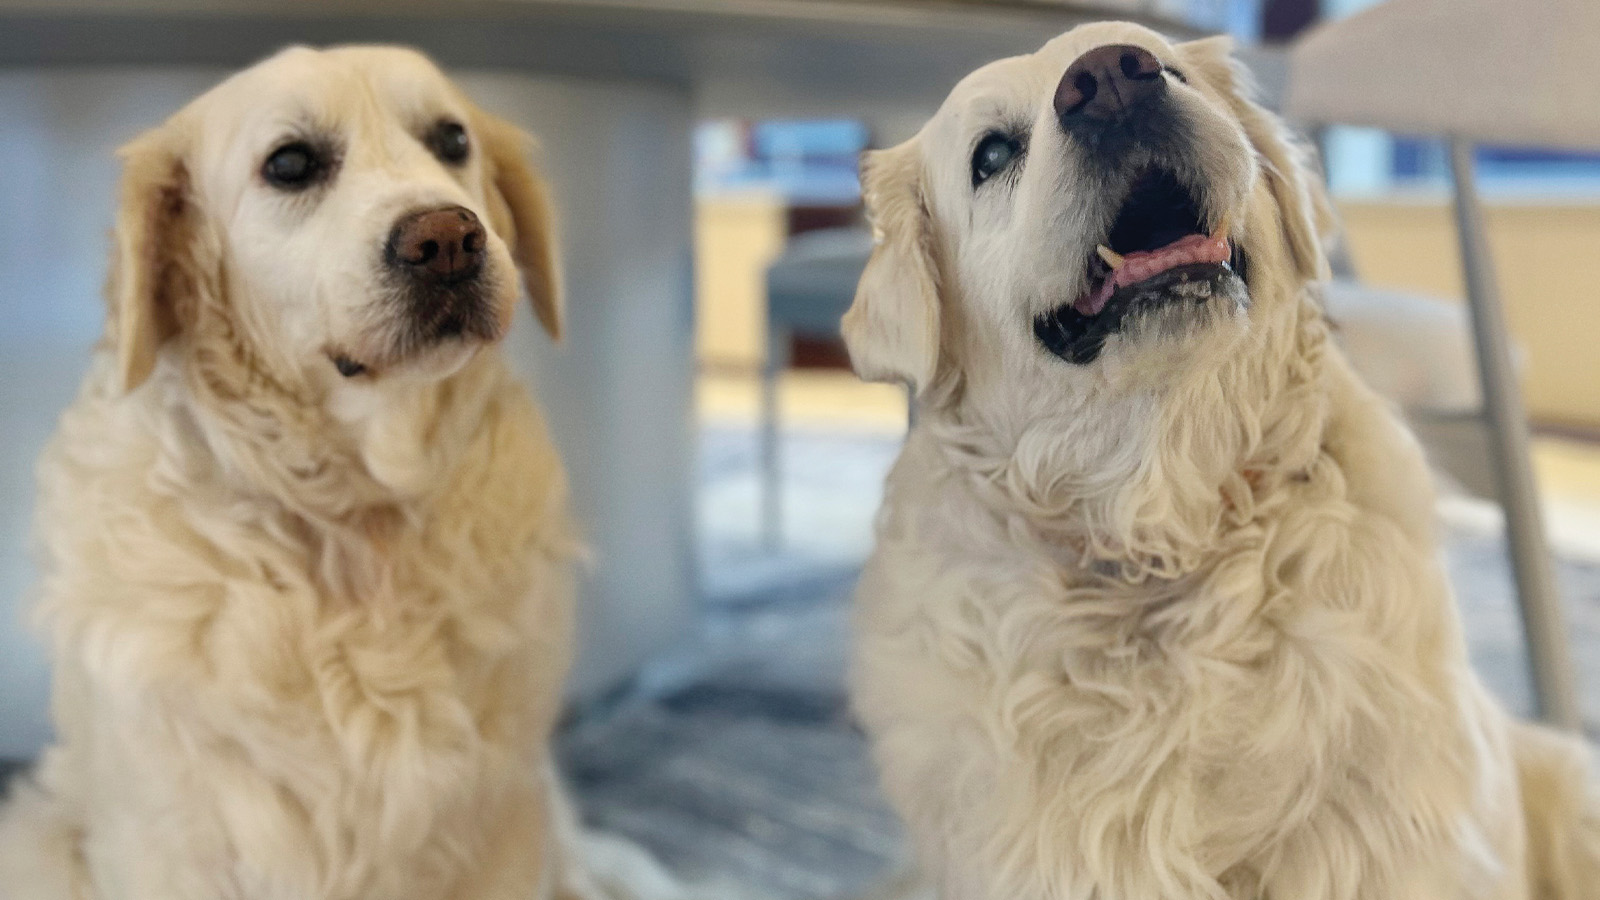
(1130, 65)
(471, 242)
(429, 249)
(1086, 86)
(348, 367)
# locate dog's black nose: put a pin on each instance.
(1106, 84)
(439, 245)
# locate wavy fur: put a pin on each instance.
(309, 637)
(1175, 624)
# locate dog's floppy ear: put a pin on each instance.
(519, 209)
(1306, 213)
(154, 273)
(892, 328)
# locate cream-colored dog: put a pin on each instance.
(307, 557)
(1157, 610)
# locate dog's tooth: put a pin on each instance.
(1112, 257)
(1220, 233)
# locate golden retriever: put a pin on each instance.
(308, 564)
(1156, 609)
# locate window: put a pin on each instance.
(805, 162)
(1365, 162)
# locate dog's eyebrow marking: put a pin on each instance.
(303, 121)
(302, 118)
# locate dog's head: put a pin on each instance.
(334, 215)
(1104, 216)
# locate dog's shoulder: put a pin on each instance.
(1384, 469)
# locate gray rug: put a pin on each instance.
(736, 761)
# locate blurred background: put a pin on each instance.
(727, 464)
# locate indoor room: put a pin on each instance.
(728, 427)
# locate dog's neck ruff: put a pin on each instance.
(274, 449)
(1155, 512)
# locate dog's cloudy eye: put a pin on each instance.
(448, 141)
(293, 166)
(994, 153)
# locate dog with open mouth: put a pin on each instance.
(1156, 608)
(307, 559)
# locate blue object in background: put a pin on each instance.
(807, 162)
(1423, 163)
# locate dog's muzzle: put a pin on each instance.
(1161, 247)
(437, 261)
(438, 285)
(1111, 100)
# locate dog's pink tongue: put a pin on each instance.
(1143, 264)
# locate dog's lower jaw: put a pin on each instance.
(1078, 338)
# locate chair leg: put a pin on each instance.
(1543, 622)
(771, 473)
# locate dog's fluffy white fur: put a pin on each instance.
(1172, 623)
(309, 631)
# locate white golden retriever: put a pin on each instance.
(307, 557)
(1157, 610)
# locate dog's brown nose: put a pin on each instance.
(1106, 83)
(442, 245)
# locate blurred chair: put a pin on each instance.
(1520, 74)
(1417, 351)
(809, 288)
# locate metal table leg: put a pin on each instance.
(1537, 592)
(771, 474)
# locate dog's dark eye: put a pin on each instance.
(994, 153)
(294, 166)
(1176, 74)
(448, 141)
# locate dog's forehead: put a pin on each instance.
(398, 74)
(329, 85)
(998, 80)
(994, 92)
(1063, 49)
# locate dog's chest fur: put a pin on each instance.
(1268, 724)
(351, 707)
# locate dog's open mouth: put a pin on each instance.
(1160, 250)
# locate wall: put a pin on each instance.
(1547, 258)
(736, 237)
